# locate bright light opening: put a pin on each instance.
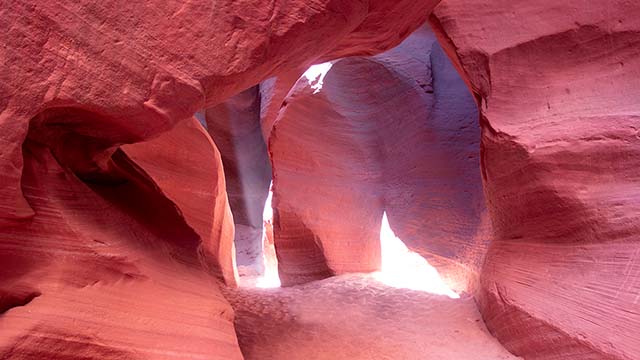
(315, 75)
(270, 278)
(403, 268)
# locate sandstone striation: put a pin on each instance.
(505, 153)
(100, 244)
(557, 88)
(104, 261)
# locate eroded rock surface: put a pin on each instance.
(106, 260)
(147, 73)
(396, 132)
(100, 245)
(560, 152)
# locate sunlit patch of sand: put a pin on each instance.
(403, 268)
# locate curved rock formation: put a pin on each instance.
(101, 242)
(273, 91)
(146, 72)
(560, 152)
(91, 232)
(359, 136)
(106, 260)
(194, 181)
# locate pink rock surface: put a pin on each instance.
(140, 74)
(194, 181)
(116, 252)
(99, 247)
(396, 132)
(273, 92)
(104, 261)
(557, 84)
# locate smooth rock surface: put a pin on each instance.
(558, 88)
(146, 72)
(103, 262)
(99, 247)
(194, 181)
(395, 133)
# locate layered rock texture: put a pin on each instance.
(395, 133)
(104, 260)
(100, 244)
(118, 210)
(558, 91)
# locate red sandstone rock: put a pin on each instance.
(142, 68)
(98, 248)
(113, 269)
(95, 76)
(194, 181)
(396, 132)
(88, 266)
(558, 88)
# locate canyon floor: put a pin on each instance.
(357, 317)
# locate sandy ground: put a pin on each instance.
(356, 317)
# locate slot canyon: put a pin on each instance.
(321, 179)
